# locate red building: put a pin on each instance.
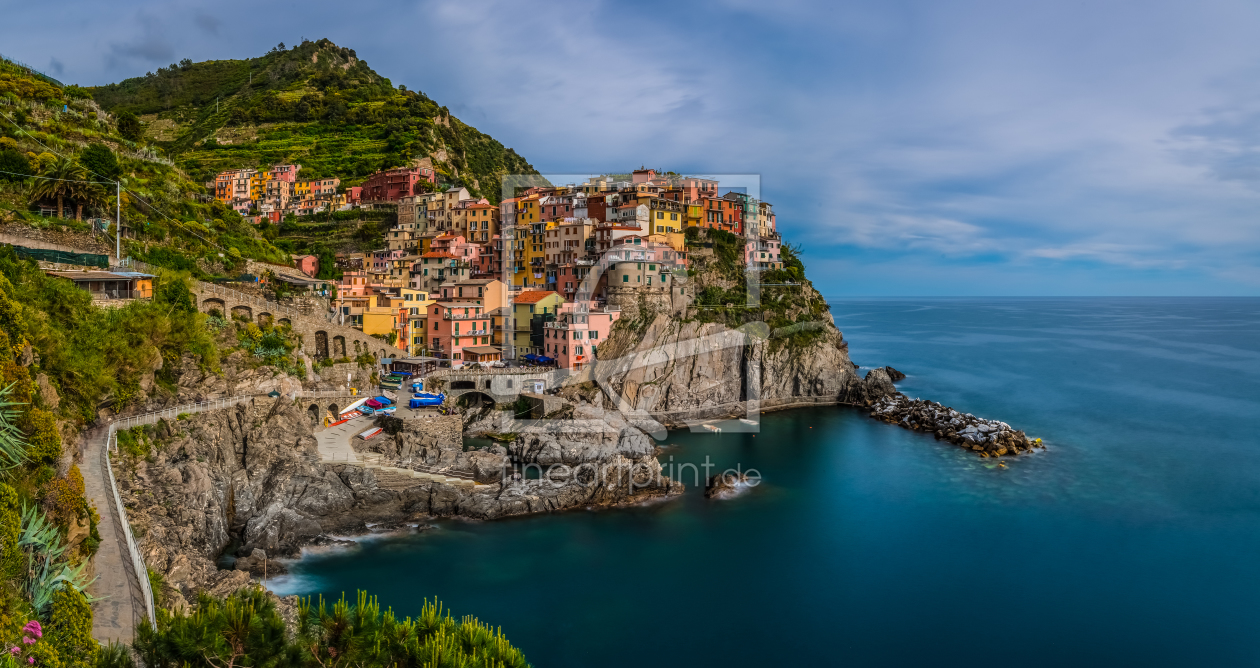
(394, 184)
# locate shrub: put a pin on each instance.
(64, 498)
(44, 440)
(70, 628)
(129, 126)
(11, 561)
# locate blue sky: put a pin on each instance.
(910, 147)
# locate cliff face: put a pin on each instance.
(677, 368)
(251, 475)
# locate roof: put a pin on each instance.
(440, 254)
(533, 296)
(483, 350)
(90, 275)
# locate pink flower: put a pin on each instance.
(30, 660)
(28, 640)
(32, 627)
(14, 650)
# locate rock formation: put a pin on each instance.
(989, 438)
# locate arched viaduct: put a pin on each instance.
(321, 338)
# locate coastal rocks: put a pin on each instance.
(893, 374)
(989, 438)
(874, 386)
(257, 563)
(725, 485)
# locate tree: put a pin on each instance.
(14, 166)
(129, 126)
(63, 178)
(101, 161)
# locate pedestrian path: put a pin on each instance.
(120, 605)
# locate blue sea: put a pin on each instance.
(1133, 540)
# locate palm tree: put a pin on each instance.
(92, 194)
(63, 178)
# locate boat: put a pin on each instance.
(747, 421)
(716, 430)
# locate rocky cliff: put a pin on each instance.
(682, 359)
(249, 478)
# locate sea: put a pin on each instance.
(1133, 539)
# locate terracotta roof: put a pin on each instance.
(533, 296)
(440, 254)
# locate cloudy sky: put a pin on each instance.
(911, 147)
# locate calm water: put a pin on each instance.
(1133, 541)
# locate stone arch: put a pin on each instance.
(321, 344)
(334, 410)
(339, 346)
(313, 412)
(243, 311)
(265, 318)
(285, 321)
(475, 398)
(213, 303)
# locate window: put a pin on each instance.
(577, 350)
(577, 335)
(651, 267)
(625, 279)
(435, 326)
(593, 334)
(660, 215)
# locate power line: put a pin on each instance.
(49, 178)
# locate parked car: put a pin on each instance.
(499, 365)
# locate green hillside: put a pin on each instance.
(316, 104)
(54, 142)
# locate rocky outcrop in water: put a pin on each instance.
(989, 438)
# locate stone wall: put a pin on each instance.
(321, 338)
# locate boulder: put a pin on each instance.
(893, 374)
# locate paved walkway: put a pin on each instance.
(121, 605)
(334, 442)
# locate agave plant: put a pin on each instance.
(12, 440)
(47, 568)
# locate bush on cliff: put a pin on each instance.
(246, 629)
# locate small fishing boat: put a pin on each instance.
(747, 421)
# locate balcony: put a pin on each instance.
(460, 316)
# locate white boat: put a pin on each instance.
(747, 421)
(716, 430)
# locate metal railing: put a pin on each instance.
(111, 444)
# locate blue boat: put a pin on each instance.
(425, 400)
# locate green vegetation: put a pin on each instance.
(795, 312)
(316, 104)
(246, 629)
(96, 357)
(57, 134)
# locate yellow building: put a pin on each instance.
(524, 307)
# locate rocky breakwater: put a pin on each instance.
(989, 438)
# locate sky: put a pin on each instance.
(934, 147)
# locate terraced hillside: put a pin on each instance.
(316, 104)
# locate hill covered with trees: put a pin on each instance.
(316, 104)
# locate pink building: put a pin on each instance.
(574, 337)
(354, 194)
(456, 246)
(763, 253)
(394, 184)
(353, 284)
(459, 331)
(307, 264)
(285, 172)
